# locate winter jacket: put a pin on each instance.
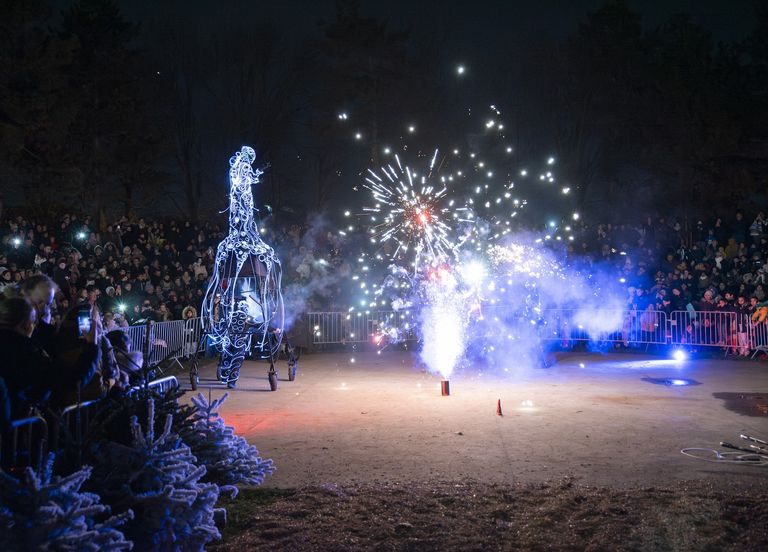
(31, 375)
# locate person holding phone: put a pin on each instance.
(40, 290)
(31, 375)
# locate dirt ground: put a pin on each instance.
(585, 456)
(380, 419)
(475, 516)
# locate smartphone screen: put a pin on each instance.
(83, 322)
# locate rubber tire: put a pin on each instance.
(273, 381)
(292, 373)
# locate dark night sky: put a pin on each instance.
(482, 35)
(478, 25)
(478, 32)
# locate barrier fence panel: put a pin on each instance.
(567, 326)
(391, 325)
(338, 327)
(163, 385)
(326, 327)
(354, 327)
(638, 327)
(160, 386)
(756, 335)
(74, 420)
(732, 331)
(172, 339)
(136, 333)
(358, 327)
(735, 332)
(23, 444)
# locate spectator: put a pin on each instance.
(29, 373)
(163, 314)
(130, 362)
(743, 312)
(109, 322)
(40, 291)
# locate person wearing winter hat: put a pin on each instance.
(108, 301)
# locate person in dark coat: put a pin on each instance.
(40, 291)
(61, 276)
(30, 374)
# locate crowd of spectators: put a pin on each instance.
(707, 267)
(132, 271)
(140, 270)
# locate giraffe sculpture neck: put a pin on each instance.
(242, 225)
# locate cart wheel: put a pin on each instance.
(292, 371)
(273, 381)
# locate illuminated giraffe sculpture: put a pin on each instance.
(243, 305)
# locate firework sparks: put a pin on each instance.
(524, 259)
(411, 214)
(471, 248)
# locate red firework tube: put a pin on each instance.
(445, 387)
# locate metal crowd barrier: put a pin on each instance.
(356, 327)
(160, 386)
(734, 332)
(163, 385)
(706, 328)
(646, 327)
(338, 327)
(136, 333)
(24, 444)
(568, 326)
(74, 419)
(758, 337)
(167, 340)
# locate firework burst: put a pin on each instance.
(412, 218)
(464, 255)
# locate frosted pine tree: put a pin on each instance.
(229, 458)
(43, 512)
(157, 477)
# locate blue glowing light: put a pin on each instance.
(243, 305)
(679, 355)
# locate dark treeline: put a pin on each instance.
(104, 114)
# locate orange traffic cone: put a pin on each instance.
(498, 408)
